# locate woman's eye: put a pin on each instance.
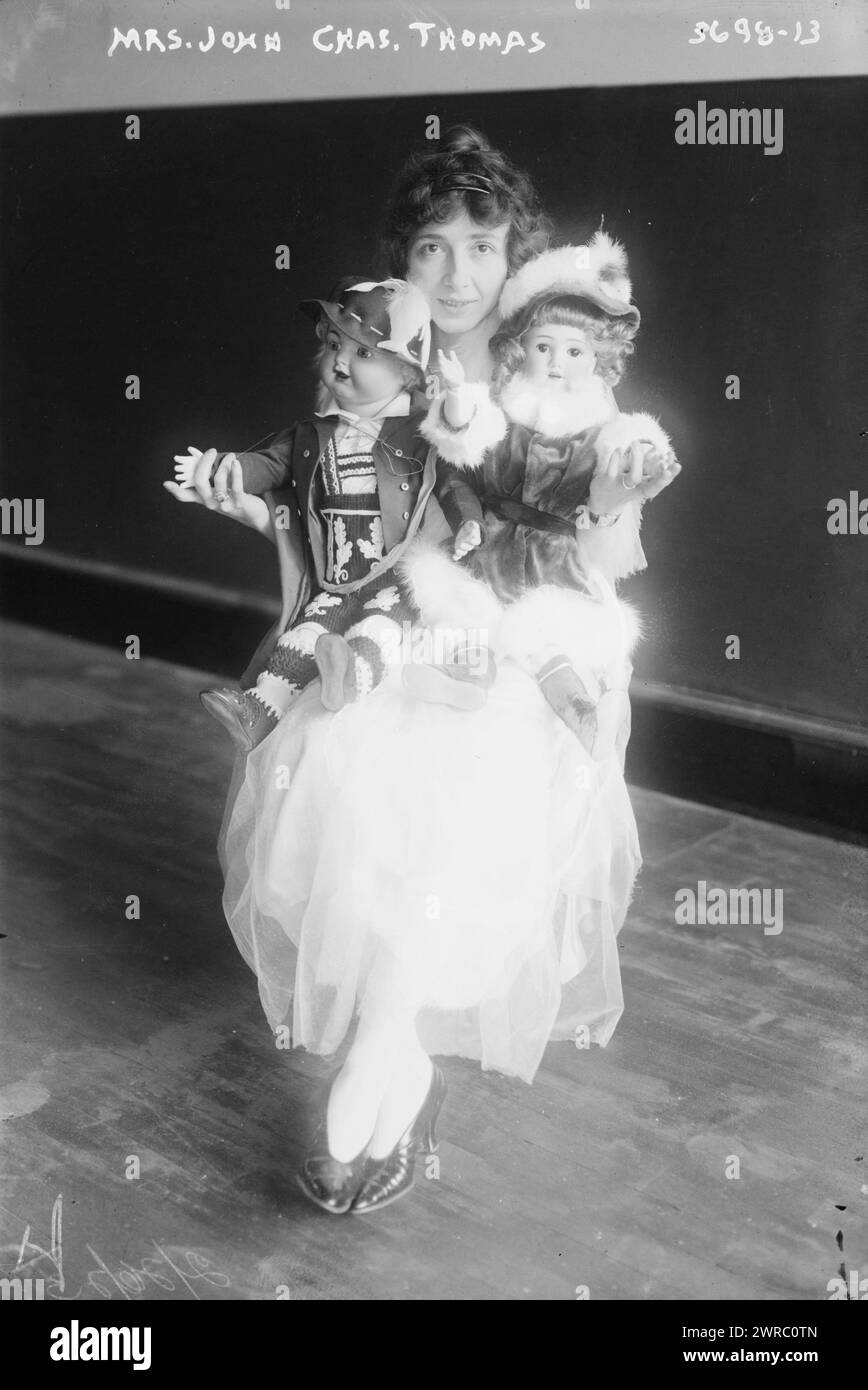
(428, 247)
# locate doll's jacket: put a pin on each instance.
(287, 474)
(544, 459)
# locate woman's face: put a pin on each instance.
(460, 267)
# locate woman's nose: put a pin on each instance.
(457, 272)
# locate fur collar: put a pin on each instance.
(558, 414)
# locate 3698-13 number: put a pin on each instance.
(765, 34)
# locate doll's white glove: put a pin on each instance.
(193, 484)
(185, 466)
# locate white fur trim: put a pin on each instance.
(601, 266)
(558, 413)
(616, 551)
(626, 430)
(466, 448)
(445, 594)
(596, 634)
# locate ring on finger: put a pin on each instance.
(221, 496)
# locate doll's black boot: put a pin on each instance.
(245, 719)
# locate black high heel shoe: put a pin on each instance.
(327, 1181)
(392, 1177)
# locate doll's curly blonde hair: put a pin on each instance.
(611, 337)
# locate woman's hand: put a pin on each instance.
(193, 484)
(635, 474)
(467, 538)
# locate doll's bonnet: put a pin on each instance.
(596, 273)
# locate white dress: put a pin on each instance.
(482, 855)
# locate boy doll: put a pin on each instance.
(348, 489)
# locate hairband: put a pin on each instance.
(467, 182)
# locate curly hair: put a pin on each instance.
(611, 337)
(415, 201)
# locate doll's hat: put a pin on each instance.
(596, 273)
(390, 315)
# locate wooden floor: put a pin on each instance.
(145, 1039)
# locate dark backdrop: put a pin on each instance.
(156, 258)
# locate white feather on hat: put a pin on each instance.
(597, 272)
(409, 321)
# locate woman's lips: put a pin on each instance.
(457, 304)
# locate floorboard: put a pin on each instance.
(146, 1039)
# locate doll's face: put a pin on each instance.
(461, 268)
(358, 376)
(558, 356)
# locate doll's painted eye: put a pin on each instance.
(364, 352)
(542, 347)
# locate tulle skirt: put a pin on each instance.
(482, 857)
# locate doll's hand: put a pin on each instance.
(193, 477)
(467, 538)
(185, 467)
(459, 406)
(660, 469)
(634, 474)
(450, 369)
(193, 484)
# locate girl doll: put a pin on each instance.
(358, 471)
(561, 518)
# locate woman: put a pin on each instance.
(455, 879)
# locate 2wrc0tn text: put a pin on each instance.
(712, 1333)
